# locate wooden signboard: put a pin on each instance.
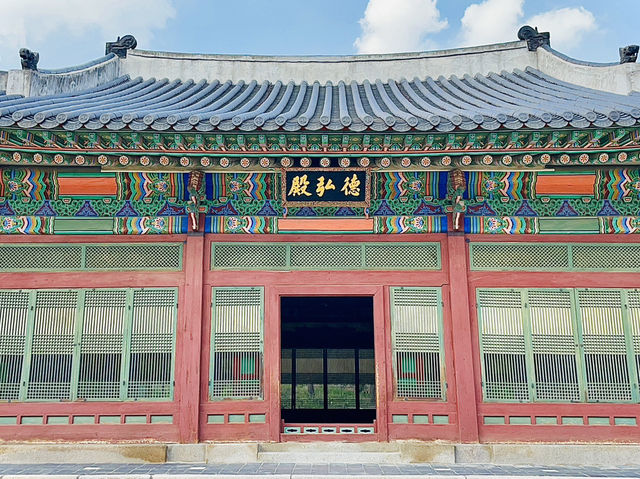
(326, 187)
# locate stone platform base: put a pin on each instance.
(396, 452)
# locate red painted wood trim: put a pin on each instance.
(91, 432)
(463, 358)
(188, 334)
(207, 407)
(294, 278)
(558, 409)
(382, 340)
(326, 224)
(328, 288)
(272, 359)
(560, 433)
(423, 407)
(97, 279)
(85, 408)
(323, 238)
(101, 186)
(556, 279)
(448, 336)
(559, 184)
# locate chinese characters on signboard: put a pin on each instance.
(325, 187)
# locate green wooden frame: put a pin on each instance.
(82, 252)
(394, 290)
(359, 264)
(580, 355)
(78, 325)
(570, 258)
(212, 356)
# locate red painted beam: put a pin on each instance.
(463, 359)
(189, 335)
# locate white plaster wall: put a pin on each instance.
(3, 80)
(621, 79)
(476, 60)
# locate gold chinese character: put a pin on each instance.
(299, 186)
(322, 187)
(351, 186)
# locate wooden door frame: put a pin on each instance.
(273, 293)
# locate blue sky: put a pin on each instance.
(70, 32)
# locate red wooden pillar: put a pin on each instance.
(188, 341)
(272, 358)
(462, 339)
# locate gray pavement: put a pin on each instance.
(303, 471)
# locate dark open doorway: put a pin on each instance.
(328, 366)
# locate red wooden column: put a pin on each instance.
(188, 341)
(462, 339)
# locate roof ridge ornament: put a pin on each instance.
(121, 45)
(533, 37)
(629, 54)
(28, 59)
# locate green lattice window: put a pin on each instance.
(326, 256)
(505, 256)
(236, 343)
(98, 344)
(417, 347)
(560, 345)
(91, 257)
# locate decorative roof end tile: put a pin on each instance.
(121, 45)
(29, 59)
(533, 37)
(629, 54)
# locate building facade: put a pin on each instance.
(291, 249)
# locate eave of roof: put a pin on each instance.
(248, 93)
(510, 100)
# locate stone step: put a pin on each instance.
(329, 446)
(314, 457)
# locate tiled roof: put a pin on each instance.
(513, 100)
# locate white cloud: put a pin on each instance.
(494, 21)
(33, 23)
(566, 25)
(398, 26)
(491, 21)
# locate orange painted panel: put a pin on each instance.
(88, 186)
(565, 184)
(326, 224)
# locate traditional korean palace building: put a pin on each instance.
(434, 246)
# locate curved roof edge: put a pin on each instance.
(31, 83)
(477, 60)
(376, 57)
(617, 78)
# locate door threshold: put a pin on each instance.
(341, 429)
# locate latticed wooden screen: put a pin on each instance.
(325, 256)
(559, 344)
(99, 344)
(91, 257)
(236, 343)
(554, 256)
(417, 347)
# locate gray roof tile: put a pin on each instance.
(513, 100)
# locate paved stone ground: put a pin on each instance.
(300, 471)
